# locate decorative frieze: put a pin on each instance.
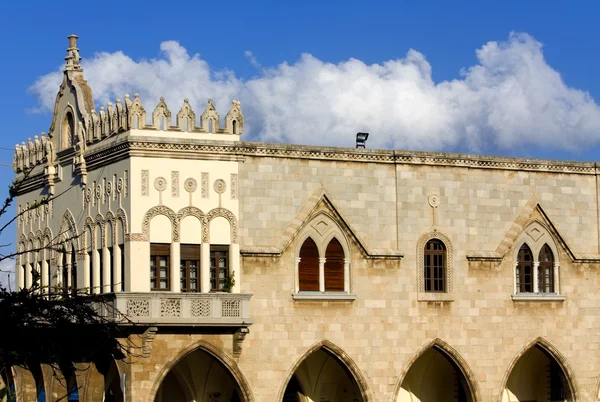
(204, 185)
(145, 182)
(175, 183)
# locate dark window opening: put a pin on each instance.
(219, 267)
(159, 266)
(435, 266)
(190, 268)
(334, 267)
(546, 270)
(524, 270)
(308, 268)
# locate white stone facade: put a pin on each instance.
(497, 330)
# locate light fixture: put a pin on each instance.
(361, 138)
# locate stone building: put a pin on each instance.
(279, 273)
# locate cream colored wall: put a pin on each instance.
(205, 197)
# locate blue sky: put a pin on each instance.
(462, 88)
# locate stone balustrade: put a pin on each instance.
(173, 309)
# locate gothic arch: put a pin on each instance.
(223, 213)
(91, 225)
(68, 223)
(343, 358)
(554, 353)
(535, 235)
(111, 220)
(435, 234)
(450, 353)
(216, 353)
(161, 210)
(322, 236)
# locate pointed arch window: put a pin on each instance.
(308, 268)
(334, 267)
(546, 270)
(524, 274)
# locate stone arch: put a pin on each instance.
(68, 127)
(435, 234)
(160, 210)
(222, 357)
(344, 359)
(450, 353)
(90, 238)
(68, 223)
(121, 214)
(322, 227)
(554, 353)
(111, 220)
(223, 213)
(535, 235)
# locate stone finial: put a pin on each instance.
(161, 117)
(73, 56)
(186, 118)
(234, 120)
(210, 120)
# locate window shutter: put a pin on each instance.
(308, 269)
(190, 252)
(334, 267)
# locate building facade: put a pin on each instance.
(278, 273)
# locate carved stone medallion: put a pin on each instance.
(160, 183)
(220, 186)
(190, 185)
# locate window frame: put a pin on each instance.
(187, 254)
(429, 267)
(217, 250)
(424, 295)
(158, 251)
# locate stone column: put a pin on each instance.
(515, 283)
(297, 275)
(175, 261)
(234, 266)
(86, 273)
(205, 268)
(19, 278)
(67, 271)
(28, 275)
(116, 268)
(106, 263)
(347, 275)
(44, 276)
(556, 278)
(96, 271)
(58, 274)
(321, 274)
(536, 277)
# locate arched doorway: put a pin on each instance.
(433, 377)
(322, 376)
(538, 376)
(199, 377)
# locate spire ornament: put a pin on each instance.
(73, 56)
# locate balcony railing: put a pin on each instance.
(179, 309)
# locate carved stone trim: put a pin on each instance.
(148, 338)
(238, 340)
(421, 260)
(160, 210)
(145, 182)
(224, 213)
(175, 183)
(234, 186)
(204, 185)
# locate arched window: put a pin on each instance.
(308, 268)
(435, 266)
(68, 131)
(334, 267)
(546, 270)
(234, 126)
(524, 270)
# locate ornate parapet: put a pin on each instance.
(179, 309)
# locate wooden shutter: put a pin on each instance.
(308, 269)
(334, 267)
(190, 252)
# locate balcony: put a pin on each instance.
(179, 309)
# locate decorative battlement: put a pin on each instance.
(76, 123)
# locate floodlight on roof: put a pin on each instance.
(361, 138)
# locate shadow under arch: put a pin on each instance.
(344, 359)
(450, 353)
(549, 348)
(229, 364)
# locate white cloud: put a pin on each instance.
(511, 98)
